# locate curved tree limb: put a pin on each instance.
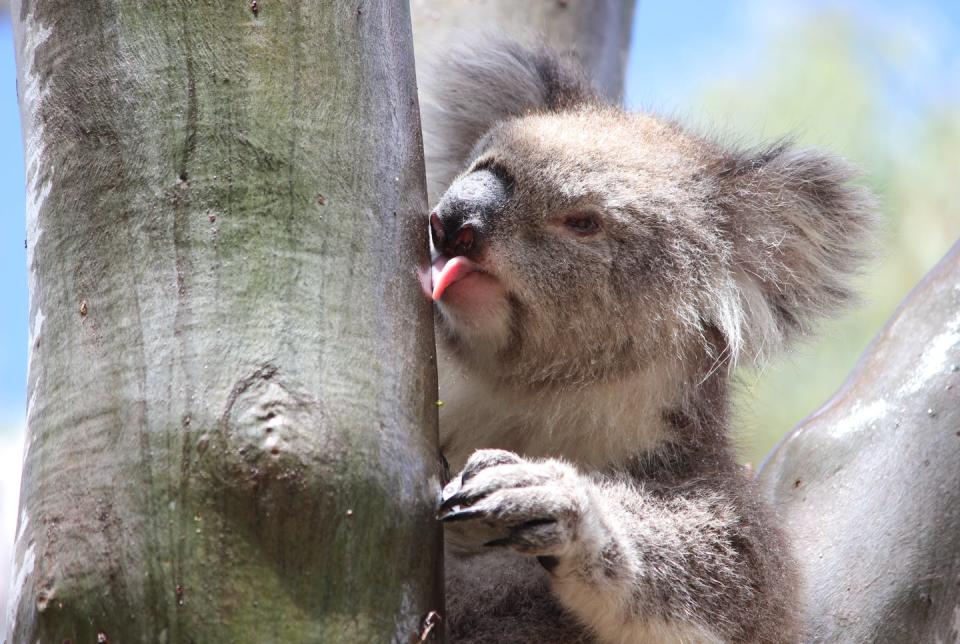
(869, 485)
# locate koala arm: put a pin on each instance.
(686, 563)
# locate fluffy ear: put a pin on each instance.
(475, 86)
(799, 230)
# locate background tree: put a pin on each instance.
(596, 33)
(231, 427)
(869, 485)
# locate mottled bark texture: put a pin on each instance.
(231, 422)
(869, 486)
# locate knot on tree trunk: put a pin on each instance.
(271, 441)
(272, 462)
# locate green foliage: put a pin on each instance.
(830, 82)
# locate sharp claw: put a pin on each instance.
(455, 499)
(460, 515)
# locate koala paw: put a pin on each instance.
(538, 506)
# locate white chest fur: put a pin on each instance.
(590, 426)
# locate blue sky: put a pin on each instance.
(678, 47)
(13, 272)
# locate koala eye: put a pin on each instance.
(583, 223)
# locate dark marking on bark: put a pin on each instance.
(295, 83)
(190, 143)
(180, 197)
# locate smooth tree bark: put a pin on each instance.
(231, 419)
(869, 485)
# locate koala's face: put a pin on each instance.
(580, 243)
(574, 247)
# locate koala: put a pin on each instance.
(597, 274)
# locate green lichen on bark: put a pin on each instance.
(235, 441)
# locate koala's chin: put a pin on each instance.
(472, 304)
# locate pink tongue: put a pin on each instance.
(447, 272)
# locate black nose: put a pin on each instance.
(456, 242)
(467, 212)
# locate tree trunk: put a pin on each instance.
(869, 485)
(231, 420)
(594, 32)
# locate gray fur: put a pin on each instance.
(596, 387)
(526, 80)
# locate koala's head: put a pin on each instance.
(578, 243)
